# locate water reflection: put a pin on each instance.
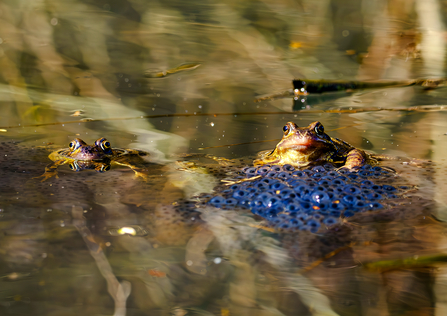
(104, 243)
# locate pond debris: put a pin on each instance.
(304, 87)
(119, 291)
(413, 262)
(182, 67)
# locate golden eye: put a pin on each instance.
(105, 144)
(285, 129)
(72, 167)
(319, 129)
(72, 145)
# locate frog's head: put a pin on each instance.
(300, 146)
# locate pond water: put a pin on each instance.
(175, 79)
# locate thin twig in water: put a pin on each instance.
(118, 291)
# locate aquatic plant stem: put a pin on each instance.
(119, 291)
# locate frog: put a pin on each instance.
(304, 146)
(99, 157)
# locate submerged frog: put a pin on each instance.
(303, 146)
(99, 157)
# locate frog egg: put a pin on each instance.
(270, 213)
(250, 172)
(240, 194)
(230, 203)
(287, 194)
(257, 203)
(325, 182)
(374, 196)
(364, 173)
(319, 197)
(336, 206)
(338, 181)
(306, 206)
(217, 201)
(293, 207)
(328, 221)
(352, 176)
(283, 175)
(318, 169)
(360, 205)
(261, 186)
(235, 187)
(288, 168)
(299, 174)
(350, 199)
(263, 170)
(277, 186)
(269, 181)
(352, 189)
(313, 225)
(317, 175)
(276, 168)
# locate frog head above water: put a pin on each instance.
(80, 156)
(303, 146)
(79, 150)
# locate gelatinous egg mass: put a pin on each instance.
(309, 199)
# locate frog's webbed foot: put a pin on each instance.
(139, 172)
(220, 160)
(50, 171)
(190, 166)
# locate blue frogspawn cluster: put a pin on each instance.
(307, 199)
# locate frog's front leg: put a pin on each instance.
(51, 170)
(220, 160)
(355, 159)
(138, 171)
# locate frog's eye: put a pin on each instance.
(74, 144)
(319, 129)
(105, 144)
(286, 129)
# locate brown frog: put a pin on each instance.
(99, 157)
(303, 146)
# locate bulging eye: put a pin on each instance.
(105, 144)
(286, 129)
(75, 144)
(319, 129)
